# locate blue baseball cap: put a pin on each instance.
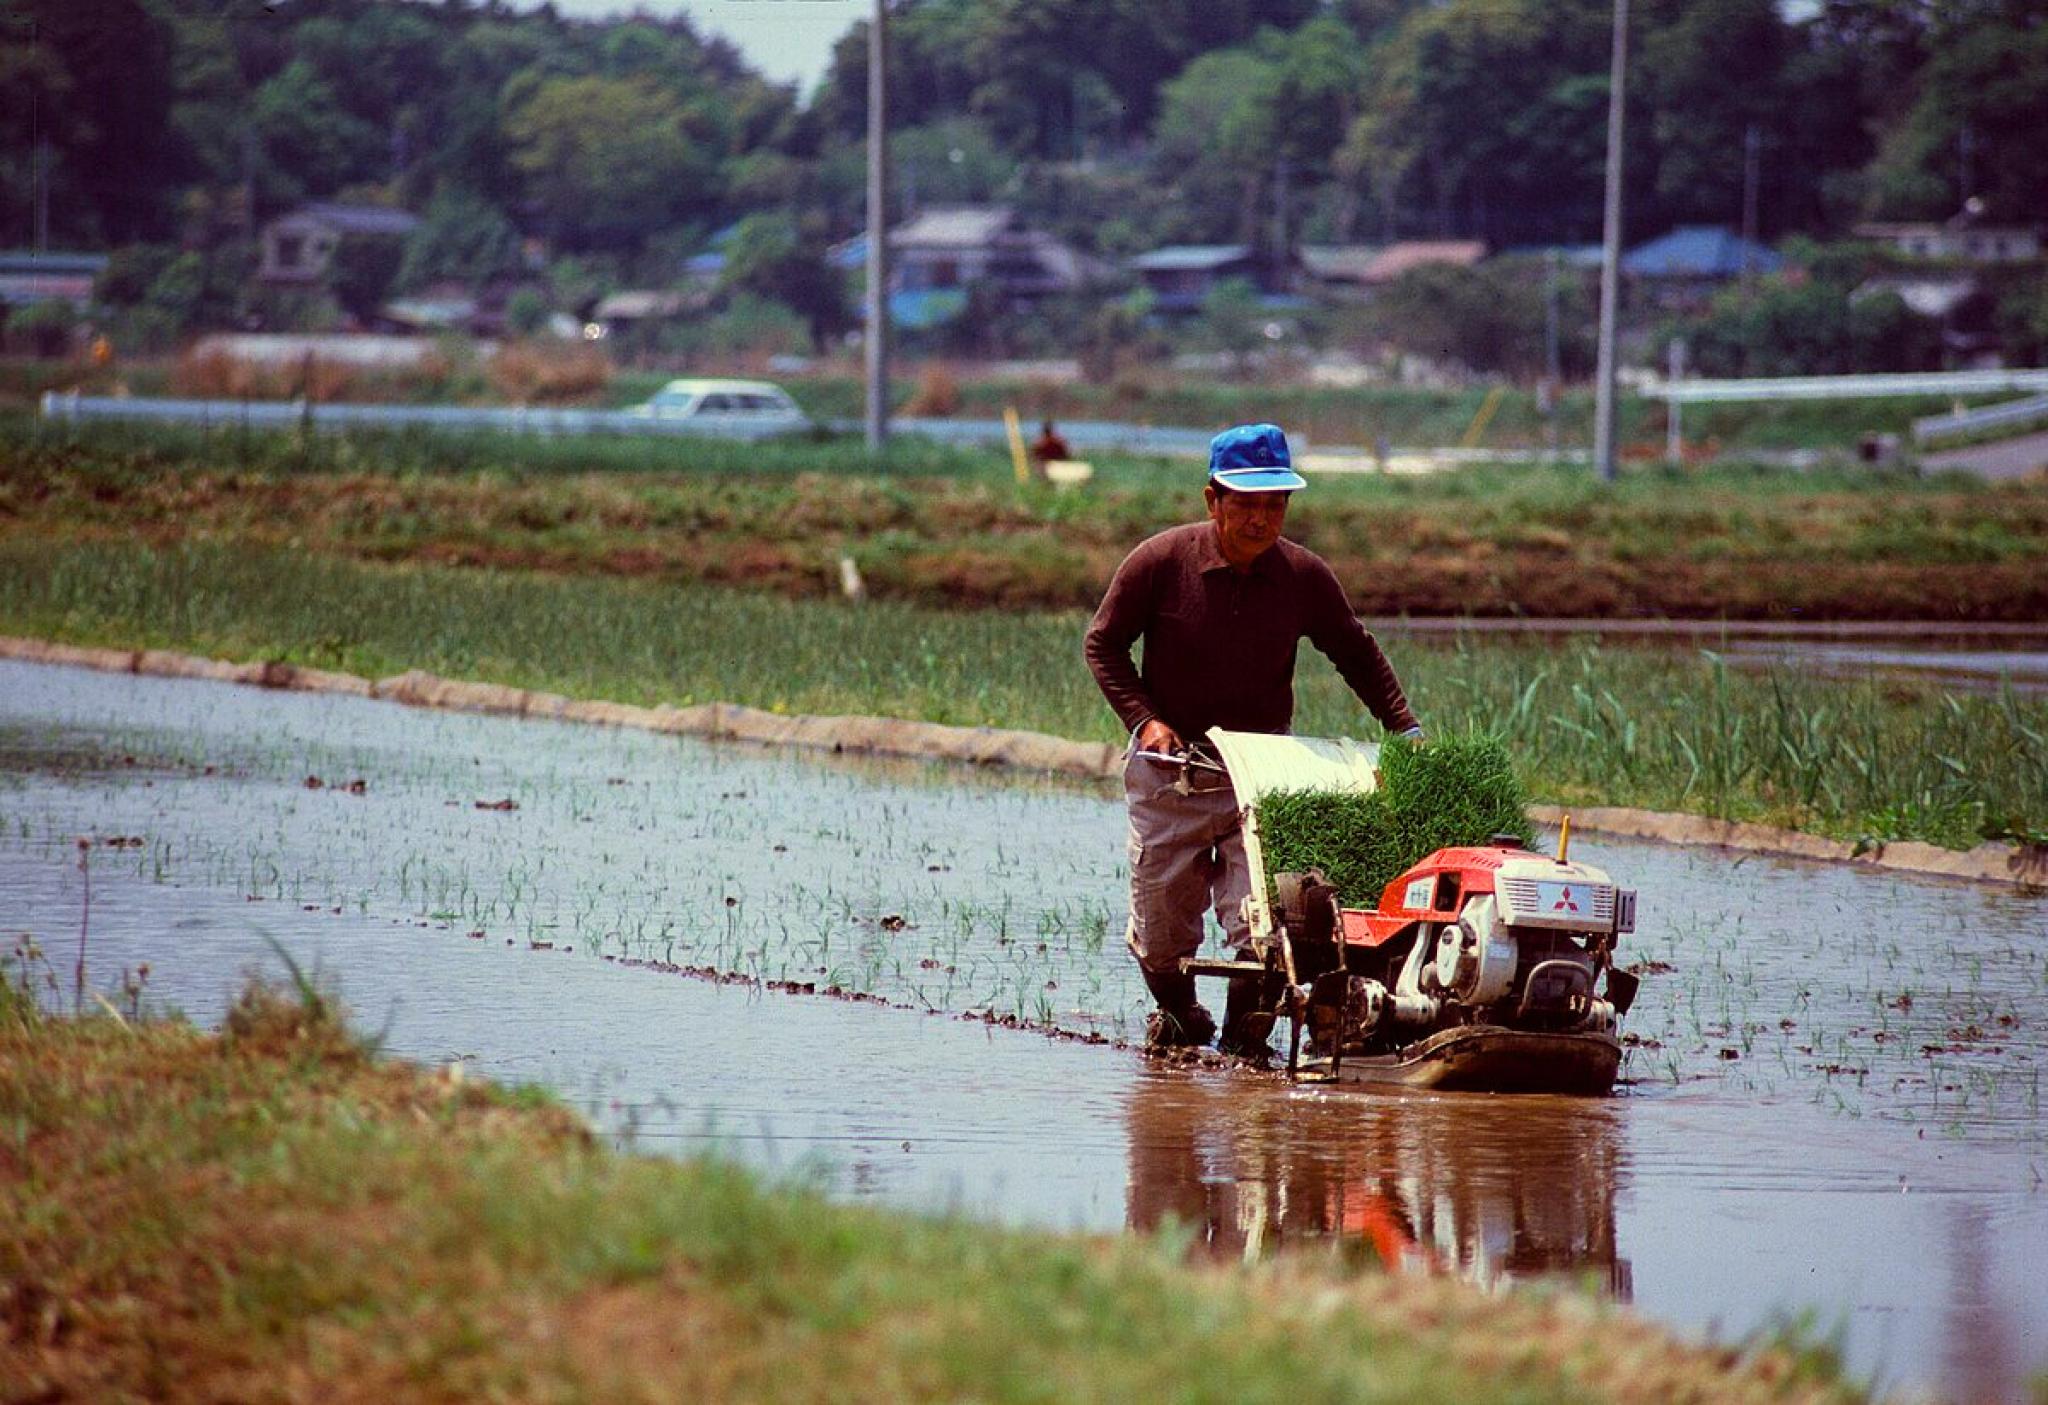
(1253, 458)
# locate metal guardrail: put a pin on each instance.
(294, 414)
(2032, 410)
(1168, 441)
(1847, 387)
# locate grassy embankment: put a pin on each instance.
(1587, 725)
(273, 1213)
(608, 557)
(941, 525)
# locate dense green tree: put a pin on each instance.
(309, 144)
(1700, 122)
(1247, 133)
(363, 273)
(527, 312)
(1490, 318)
(1975, 128)
(130, 271)
(85, 97)
(1232, 320)
(1053, 78)
(46, 327)
(1798, 325)
(778, 257)
(461, 236)
(610, 160)
(950, 162)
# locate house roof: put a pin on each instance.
(354, 219)
(1182, 257)
(28, 261)
(953, 226)
(1930, 297)
(1338, 263)
(1396, 259)
(1700, 251)
(449, 311)
(638, 303)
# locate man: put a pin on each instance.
(1048, 447)
(1221, 606)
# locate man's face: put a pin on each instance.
(1246, 523)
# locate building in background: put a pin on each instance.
(300, 248)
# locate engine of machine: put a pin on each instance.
(1527, 955)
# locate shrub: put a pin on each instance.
(529, 371)
(46, 326)
(215, 375)
(937, 393)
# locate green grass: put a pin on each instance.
(1453, 789)
(947, 525)
(213, 1217)
(1585, 724)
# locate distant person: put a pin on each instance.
(1222, 607)
(1048, 447)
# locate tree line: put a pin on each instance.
(622, 145)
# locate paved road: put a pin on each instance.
(2009, 458)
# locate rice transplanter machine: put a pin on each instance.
(1486, 967)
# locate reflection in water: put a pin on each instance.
(1491, 1189)
(1978, 1352)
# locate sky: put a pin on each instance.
(787, 40)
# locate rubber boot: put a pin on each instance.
(1247, 1020)
(1180, 1022)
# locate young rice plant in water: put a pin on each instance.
(1456, 789)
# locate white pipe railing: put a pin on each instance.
(1933, 427)
(1694, 392)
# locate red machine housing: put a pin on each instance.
(1452, 877)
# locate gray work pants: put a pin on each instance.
(1187, 854)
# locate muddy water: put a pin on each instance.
(1834, 1110)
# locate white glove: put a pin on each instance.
(1413, 734)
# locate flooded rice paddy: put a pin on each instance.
(1832, 1113)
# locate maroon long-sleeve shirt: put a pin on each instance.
(1220, 643)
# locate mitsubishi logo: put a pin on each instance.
(1565, 903)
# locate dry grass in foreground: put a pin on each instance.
(271, 1213)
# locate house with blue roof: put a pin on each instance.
(1700, 253)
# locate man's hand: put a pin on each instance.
(1413, 734)
(1157, 736)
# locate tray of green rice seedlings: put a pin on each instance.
(1448, 790)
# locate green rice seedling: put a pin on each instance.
(1459, 788)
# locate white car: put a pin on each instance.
(745, 408)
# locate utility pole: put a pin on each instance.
(1280, 263)
(1752, 153)
(1553, 357)
(875, 342)
(1674, 431)
(1610, 256)
(39, 155)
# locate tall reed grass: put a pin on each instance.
(1585, 724)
